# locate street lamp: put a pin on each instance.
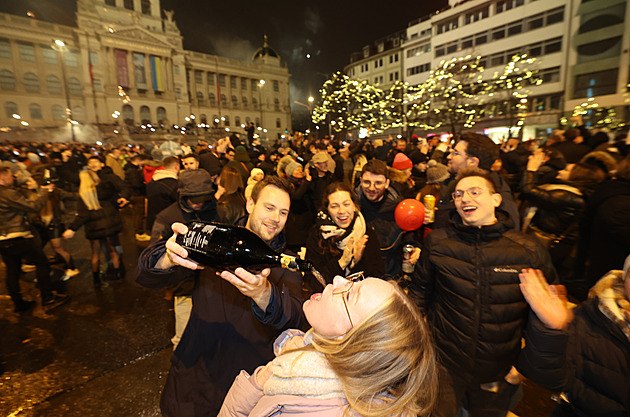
(60, 47)
(309, 106)
(261, 83)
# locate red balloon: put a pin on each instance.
(409, 214)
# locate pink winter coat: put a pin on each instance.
(246, 398)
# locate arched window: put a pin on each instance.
(110, 2)
(7, 80)
(213, 99)
(257, 122)
(10, 108)
(78, 114)
(200, 100)
(145, 5)
(226, 120)
(145, 115)
(234, 102)
(248, 120)
(244, 102)
(215, 120)
(128, 4)
(223, 100)
(278, 123)
(54, 85)
(276, 104)
(58, 112)
(203, 119)
(161, 114)
(237, 121)
(31, 83)
(127, 113)
(74, 86)
(35, 110)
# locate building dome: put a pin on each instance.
(266, 50)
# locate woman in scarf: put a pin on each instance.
(583, 353)
(341, 243)
(102, 193)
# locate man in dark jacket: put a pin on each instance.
(467, 283)
(135, 180)
(162, 189)
(472, 150)
(235, 318)
(378, 201)
(17, 242)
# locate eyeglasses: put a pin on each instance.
(474, 192)
(352, 278)
(376, 184)
(458, 153)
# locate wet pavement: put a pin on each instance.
(106, 353)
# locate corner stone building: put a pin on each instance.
(124, 63)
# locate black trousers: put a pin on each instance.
(456, 392)
(13, 252)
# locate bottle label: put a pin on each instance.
(197, 236)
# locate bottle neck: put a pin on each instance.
(288, 262)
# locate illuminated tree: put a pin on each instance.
(453, 91)
(508, 92)
(348, 104)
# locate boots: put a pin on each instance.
(96, 278)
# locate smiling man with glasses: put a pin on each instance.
(467, 282)
(471, 150)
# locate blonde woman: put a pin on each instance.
(369, 353)
(101, 194)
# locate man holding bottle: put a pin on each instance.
(231, 327)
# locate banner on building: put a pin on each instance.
(156, 73)
(122, 69)
(139, 71)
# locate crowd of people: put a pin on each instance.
(511, 222)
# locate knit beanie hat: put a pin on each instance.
(291, 167)
(436, 172)
(402, 162)
(256, 171)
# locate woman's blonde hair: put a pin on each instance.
(387, 364)
(87, 189)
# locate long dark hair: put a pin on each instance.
(329, 246)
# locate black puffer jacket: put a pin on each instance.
(467, 283)
(590, 362)
(106, 221)
(15, 204)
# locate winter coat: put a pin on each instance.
(106, 221)
(327, 264)
(226, 331)
(161, 193)
(572, 152)
(246, 398)
(605, 233)
(589, 362)
(135, 179)
(380, 217)
(467, 283)
(14, 205)
(301, 214)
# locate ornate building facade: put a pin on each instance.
(125, 64)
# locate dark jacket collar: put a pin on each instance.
(488, 233)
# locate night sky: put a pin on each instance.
(327, 30)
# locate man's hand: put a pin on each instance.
(68, 234)
(122, 202)
(536, 160)
(254, 286)
(359, 247)
(31, 184)
(413, 259)
(547, 301)
(175, 254)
